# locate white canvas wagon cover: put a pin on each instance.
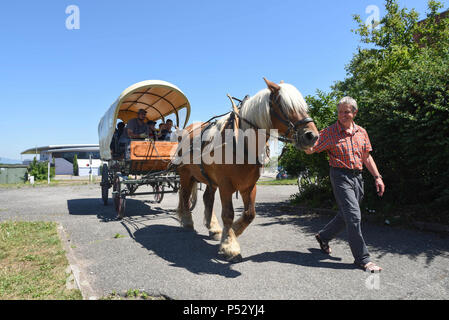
(159, 98)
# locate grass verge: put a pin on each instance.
(33, 263)
(280, 182)
(133, 294)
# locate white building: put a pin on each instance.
(88, 158)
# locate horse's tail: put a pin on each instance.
(180, 202)
(193, 195)
(192, 198)
(186, 199)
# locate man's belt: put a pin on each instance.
(355, 172)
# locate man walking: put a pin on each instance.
(348, 147)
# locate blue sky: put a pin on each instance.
(56, 83)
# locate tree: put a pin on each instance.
(75, 165)
(399, 79)
(402, 88)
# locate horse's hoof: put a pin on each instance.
(186, 224)
(236, 259)
(231, 258)
(215, 235)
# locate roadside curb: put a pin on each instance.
(79, 278)
(434, 227)
(422, 226)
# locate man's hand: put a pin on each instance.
(380, 186)
(309, 150)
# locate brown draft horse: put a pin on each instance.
(279, 107)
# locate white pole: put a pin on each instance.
(90, 168)
(48, 173)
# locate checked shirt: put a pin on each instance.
(345, 149)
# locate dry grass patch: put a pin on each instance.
(33, 263)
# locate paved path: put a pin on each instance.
(280, 256)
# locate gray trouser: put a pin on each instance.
(348, 191)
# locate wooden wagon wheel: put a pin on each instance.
(119, 198)
(105, 185)
(159, 195)
(132, 188)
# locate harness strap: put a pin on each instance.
(203, 172)
(286, 120)
(282, 139)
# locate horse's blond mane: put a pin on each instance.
(257, 109)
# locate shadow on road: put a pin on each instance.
(95, 206)
(315, 258)
(383, 239)
(184, 249)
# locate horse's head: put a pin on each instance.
(288, 111)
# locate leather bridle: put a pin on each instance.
(286, 120)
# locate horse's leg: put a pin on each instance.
(249, 200)
(229, 246)
(210, 220)
(185, 216)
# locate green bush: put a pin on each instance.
(40, 170)
(314, 193)
(409, 126)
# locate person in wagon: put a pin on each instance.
(162, 132)
(116, 138)
(168, 129)
(137, 127)
(152, 129)
(348, 147)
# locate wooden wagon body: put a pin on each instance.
(149, 156)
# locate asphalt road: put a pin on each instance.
(281, 260)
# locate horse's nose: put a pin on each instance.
(311, 137)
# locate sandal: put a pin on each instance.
(323, 245)
(371, 267)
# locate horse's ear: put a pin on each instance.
(274, 88)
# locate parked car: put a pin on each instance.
(281, 175)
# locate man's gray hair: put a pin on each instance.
(350, 101)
